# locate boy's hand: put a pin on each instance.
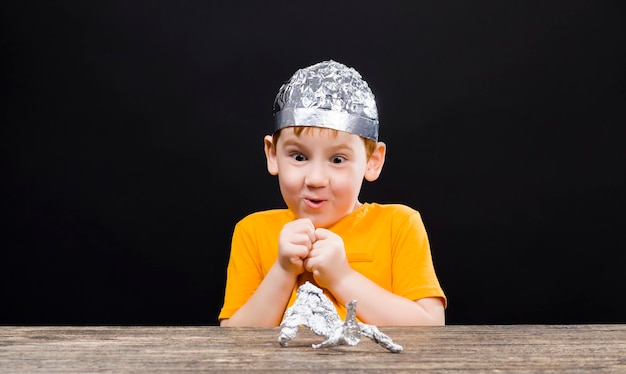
(294, 244)
(327, 260)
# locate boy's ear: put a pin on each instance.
(375, 163)
(270, 155)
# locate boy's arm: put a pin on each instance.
(377, 306)
(267, 305)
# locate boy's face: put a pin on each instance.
(320, 172)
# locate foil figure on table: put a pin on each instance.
(314, 310)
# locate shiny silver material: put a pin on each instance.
(328, 94)
(314, 310)
(348, 333)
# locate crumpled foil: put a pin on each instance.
(314, 310)
(327, 94)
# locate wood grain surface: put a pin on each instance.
(461, 348)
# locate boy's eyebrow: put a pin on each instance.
(343, 146)
(333, 148)
(293, 142)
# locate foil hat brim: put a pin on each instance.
(314, 117)
(330, 95)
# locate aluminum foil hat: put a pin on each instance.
(328, 94)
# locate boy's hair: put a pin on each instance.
(370, 145)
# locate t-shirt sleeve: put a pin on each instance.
(413, 271)
(243, 274)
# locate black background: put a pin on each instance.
(131, 143)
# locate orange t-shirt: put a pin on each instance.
(387, 243)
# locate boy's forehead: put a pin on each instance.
(304, 132)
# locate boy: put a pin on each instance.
(324, 144)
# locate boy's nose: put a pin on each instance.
(316, 176)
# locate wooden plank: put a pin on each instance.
(507, 348)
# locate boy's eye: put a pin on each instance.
(338, 159)
(298, 157)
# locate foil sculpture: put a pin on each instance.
(314, 310)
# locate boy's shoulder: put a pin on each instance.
(395, 214)
(391, 208)
(270, 215)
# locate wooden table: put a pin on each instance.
(152, 349)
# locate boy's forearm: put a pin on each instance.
(267, 305)
(377, 306)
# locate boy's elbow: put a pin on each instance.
(435, 311)
(439, 319)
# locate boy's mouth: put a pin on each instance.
(314, 203)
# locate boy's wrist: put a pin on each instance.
(282, 272)
(341, 285)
